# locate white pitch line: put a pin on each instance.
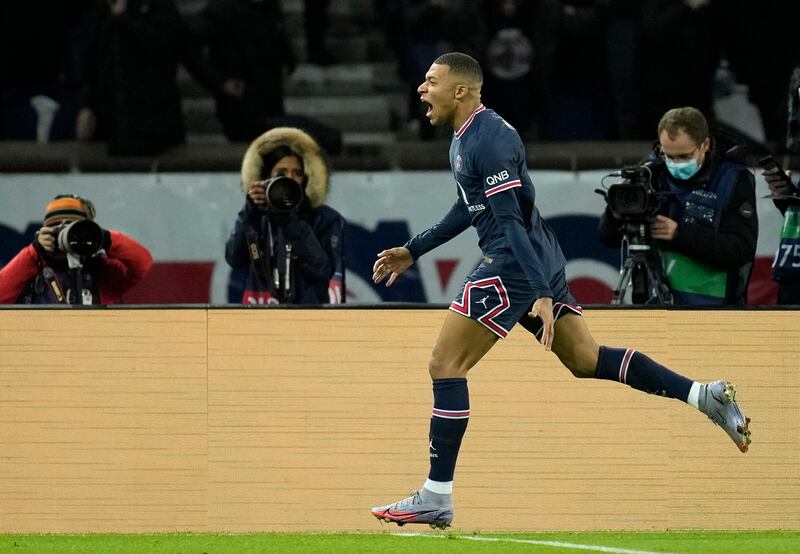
(555, 544)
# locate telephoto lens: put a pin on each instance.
(82, 238)
(283, 194)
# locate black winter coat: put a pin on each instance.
(248, 41)
(131, 76)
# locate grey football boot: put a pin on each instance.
(718, 402)
(421, 507)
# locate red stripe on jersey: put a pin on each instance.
(577, 309)
(623, 367)
(451, 414)
(466, 124)
(501, 188)
(487, 319)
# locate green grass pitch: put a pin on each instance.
(408, 542)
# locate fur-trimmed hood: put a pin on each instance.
(314, 164)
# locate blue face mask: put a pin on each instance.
(682, 170)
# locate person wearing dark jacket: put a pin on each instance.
(130, 97)
(42, 272)
(707, 231)
(786, 266)
(248, 40)
(678, 56)
(294, 257)
(520, 53)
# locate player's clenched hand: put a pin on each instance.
(393, 262)
(543, 309)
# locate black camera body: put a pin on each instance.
(284, 194)
(635, 199)
(81, 239)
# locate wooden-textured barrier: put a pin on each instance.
(285, 420)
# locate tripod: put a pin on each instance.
(641, 272)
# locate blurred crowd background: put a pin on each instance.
(142, 77)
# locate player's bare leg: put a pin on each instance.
(461, 344)
(579, 352)
(575, 346)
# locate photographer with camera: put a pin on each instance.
(703, 221)
(786, 197)
(73, 260)
(291, 244)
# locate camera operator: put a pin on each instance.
(785, 270)
(707, 229)
(289, 241)
(73, 260)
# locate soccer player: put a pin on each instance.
(520, 280)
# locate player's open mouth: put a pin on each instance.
(428, 108)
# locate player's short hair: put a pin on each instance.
(689, 120)
(462, 64)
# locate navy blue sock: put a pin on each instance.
(640, 372)
(448, 424)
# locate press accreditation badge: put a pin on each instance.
(786, 265)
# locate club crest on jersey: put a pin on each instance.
(497, 178)
(459, 163)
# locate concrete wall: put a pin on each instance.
(288, 420)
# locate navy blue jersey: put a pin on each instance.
(496, 196)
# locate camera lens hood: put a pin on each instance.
(283, 194)
(81, 238)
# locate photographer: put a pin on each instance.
(73, 261)
(785, 270)
(290, 242)
(707, 229)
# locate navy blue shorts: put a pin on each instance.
(499, 301)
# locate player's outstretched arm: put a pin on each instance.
(392, 262)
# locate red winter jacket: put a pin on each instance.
(126, 263)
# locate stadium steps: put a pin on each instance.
(359, 94)
(307, 79)
(370, 113)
